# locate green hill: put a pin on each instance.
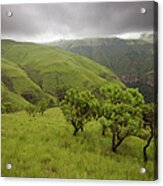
(17, 80)
(131, 60)
(11, 101)
(123, 57)
(33, 71)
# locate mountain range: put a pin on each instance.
(132, 60)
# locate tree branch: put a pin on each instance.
(146, 146)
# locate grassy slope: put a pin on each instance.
(51, 67)
(15, 83)
(18, 103)
(20, 80)
(48, 149)
(123, 57)
(126, 58)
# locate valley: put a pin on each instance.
(132, 60)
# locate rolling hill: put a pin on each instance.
(131, 60)
(32, 72)
(11, 101)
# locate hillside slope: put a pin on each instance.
(131, 60)
(17, 80)
(43, 70)
(10, 101)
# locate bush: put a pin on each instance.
(7, 107)
(42, 106)
(31, 110)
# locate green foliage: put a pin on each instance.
(42, 106)
(60, 93)
(147, 131)
(79, 108)
(7, 107)
(122, 109)
(148, 114)
(148, 121)
(3, 108)
(31, 110)
(146, 90)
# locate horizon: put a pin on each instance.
(125, 36)
(43, 23)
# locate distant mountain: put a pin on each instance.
(132, 60)
(32, 71)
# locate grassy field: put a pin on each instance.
(43, 146)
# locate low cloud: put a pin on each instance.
(43, 22)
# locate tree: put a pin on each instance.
(60, 92)
(121, 107)
(147, 131)
(79, 107)
(42, 106)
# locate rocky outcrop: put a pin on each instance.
(148, 79)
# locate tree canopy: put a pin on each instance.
(79, 107)
(121, 110)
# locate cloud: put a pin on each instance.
(43, 22)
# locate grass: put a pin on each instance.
(123, 57)
(18, 103)
(42, 71)
(43, 146)
(52, 67)
(20, 80)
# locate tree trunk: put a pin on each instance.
(103, 130)
(120, 140)
(81, 128)
(146, 146)
(113, 142)
(75, 128)
(75, 131)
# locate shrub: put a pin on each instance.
(42, 106)
(31, 110)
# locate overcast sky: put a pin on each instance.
(47, 22)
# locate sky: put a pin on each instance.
(49, 22)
